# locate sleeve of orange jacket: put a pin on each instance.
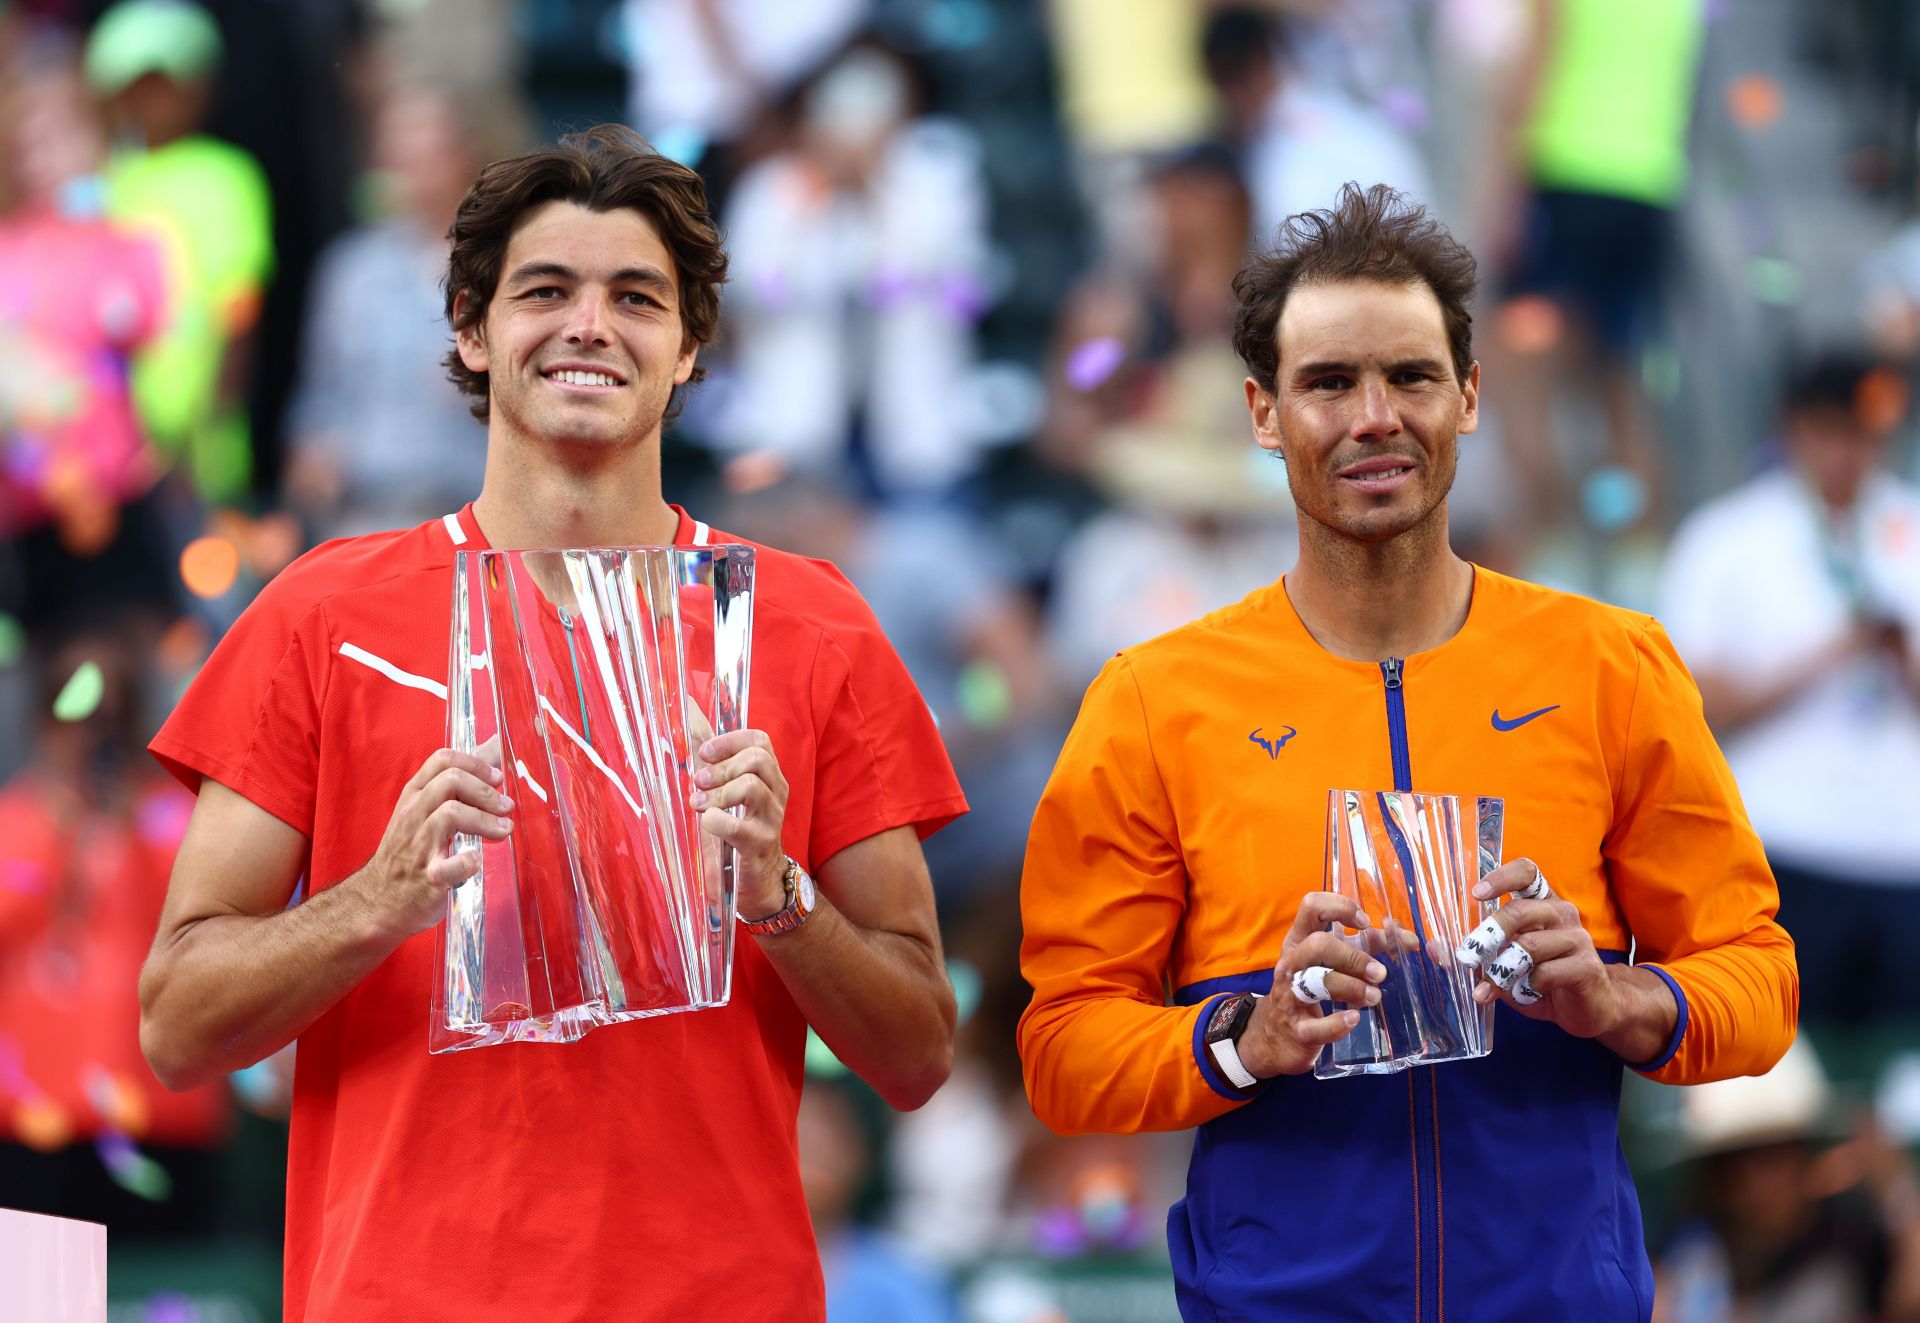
(1689, 873)
(1101, 898)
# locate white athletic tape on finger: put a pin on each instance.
(1310, 985)
(1510, 966)
(1536, 889)
(1524, 993)
(1481, 944)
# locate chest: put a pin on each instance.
(1250, 775)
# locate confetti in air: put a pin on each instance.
(209, 566)
(1091, 362)
(80, 696)
(133, 1170)
(1756, 102)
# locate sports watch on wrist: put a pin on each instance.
(797, 910)
(1224, 1027)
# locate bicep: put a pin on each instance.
(881, 884)
(236, 859)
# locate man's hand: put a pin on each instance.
(743, 773)
(1631, 1011)
(405, 884)
(1285, 1035)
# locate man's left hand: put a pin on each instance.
(741, 772)
(1577, 990)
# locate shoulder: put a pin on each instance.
(805, 597)
(351, 570)
(1539, 618)
(1255, 622)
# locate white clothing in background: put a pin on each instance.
(1829, 778)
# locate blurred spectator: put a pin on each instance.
(1148, 401)
(87, 837)
(971, 641)
(153, 62)
(77, 510)
(1794, 600)
(857, 277)
(870, 1279)
(1787, 1233)
(1298, 140)
(708, 72)
(1132, 90)
(1598, 118)
(379, 441)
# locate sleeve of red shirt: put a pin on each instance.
(1692, 880)
(1101, 900)
(251, 718)
(880, 762)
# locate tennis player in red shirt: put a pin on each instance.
(649, 1170)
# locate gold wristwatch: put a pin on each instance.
(798, 909)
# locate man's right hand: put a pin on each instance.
(1285, 1035)
(405, 884)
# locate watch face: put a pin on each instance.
(803, 892)
(1223, 1016)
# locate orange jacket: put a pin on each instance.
(1186, 818)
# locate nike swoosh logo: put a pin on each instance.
(1500, 723)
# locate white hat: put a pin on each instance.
(1791, 1101)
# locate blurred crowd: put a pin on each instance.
(976, 351)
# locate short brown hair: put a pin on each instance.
(1375, 235)
(602, 169)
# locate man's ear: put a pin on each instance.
(471, 339)
(1264, 411)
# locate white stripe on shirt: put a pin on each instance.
(392, 672)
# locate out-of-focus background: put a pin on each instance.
(975, 351)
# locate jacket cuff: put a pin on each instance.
(1209, 1068)
(1679, 1024)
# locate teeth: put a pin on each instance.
(574, 378)
(1382, 473)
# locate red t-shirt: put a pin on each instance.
(647, 1171)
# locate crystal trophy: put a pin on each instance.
(591, 678)
(1411, 862)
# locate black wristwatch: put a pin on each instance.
(1224, 1027)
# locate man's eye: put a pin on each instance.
(640, 300)
(1329, 383)
(544, 293)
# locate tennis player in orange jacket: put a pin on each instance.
(1174, 867)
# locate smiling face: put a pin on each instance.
(583, 341)
(1365, 409)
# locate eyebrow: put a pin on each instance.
(1330, 368)
(649, 277)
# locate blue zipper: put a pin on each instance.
(1426, 1142)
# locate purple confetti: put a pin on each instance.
(1091, 362)
(773, 288)
(1406, 109)
(889, 288)
(162, 818)
(23, 876)
(964, 296)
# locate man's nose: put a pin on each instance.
(1374, 414)
(588, 321)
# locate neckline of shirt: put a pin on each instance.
(463, 530)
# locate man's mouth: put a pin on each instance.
(582, 377)
(1376, 478)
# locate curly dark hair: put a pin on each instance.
(602, 169)
(1373, 234)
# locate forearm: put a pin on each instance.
(1648, 1015)
(1742, 1008)
(222, 992)
(879, 999)
(1115, 1065)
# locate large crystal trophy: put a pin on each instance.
(591, 678)
(1411, 861)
